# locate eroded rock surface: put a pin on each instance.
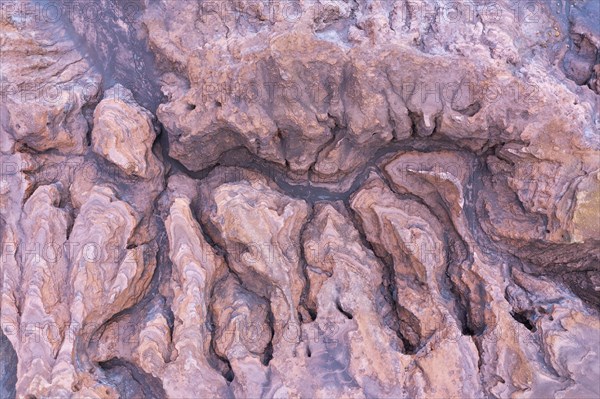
(310, 199)
(119, 122)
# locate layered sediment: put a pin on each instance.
(245, 199)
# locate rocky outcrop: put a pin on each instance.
(308, 199)
(259, 228)
(47, 85)
(123, 133)
(324, 103)
(196, 267)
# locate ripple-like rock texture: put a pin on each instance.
(300, 199)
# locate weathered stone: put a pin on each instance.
(123, 133)
(321, 198)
